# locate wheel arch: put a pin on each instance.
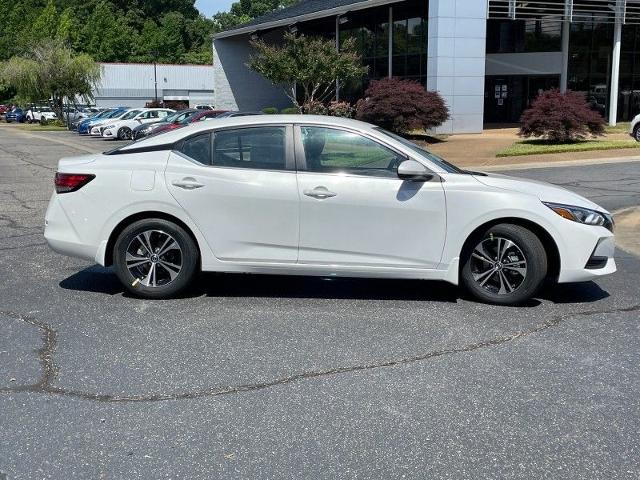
(124, 223)
(548, 242)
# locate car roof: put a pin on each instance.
(247, 121)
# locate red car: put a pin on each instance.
(201, 115)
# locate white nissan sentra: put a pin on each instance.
(308, 195)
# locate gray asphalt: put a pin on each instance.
(269, 377)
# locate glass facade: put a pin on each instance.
(371, 29)
(629, 91)
(590, 55)
(519, 36)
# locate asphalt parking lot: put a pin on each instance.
(268, 377)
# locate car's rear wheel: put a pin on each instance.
(505, 265)
(124, 133)
(155, 258)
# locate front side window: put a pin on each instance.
(256, 147)
(328, 150)
(198, 148)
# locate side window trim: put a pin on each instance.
(300, 156)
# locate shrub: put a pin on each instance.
(153, 104)
(270, 110)
(290, 111)
(401, 106)
(341, 109)
(561, 118)
(314, 107)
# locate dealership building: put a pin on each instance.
(135, 84)
(488, 58)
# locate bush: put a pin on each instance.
(401, 106)
(290, 111)
(314, 107)
(561, 118)
(52, 123)
(270, 110)
(154, 104)
(341, 109)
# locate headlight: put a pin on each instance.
(108, 127)
(582, 215)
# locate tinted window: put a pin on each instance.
(260, 147)
(330, 150)
(198, 148)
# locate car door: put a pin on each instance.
(354, 209)
(239, 187)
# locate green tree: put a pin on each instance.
(46, 25)
(51, 71)
(246, 10)
(307, 66)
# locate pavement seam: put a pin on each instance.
(50, 369)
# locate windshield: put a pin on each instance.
(115, 114)
(176, 116)
(130, 115)
(432, 157)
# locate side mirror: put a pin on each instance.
(414, 171)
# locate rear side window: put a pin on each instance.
(261, 148)
(198, 148)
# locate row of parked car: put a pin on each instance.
(40, 114)
(124, 123)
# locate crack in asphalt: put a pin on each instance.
(50, 369)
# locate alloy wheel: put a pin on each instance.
(498, 265)
(154, 258)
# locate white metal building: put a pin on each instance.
(134, 84)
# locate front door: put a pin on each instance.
(355, 211)
(239, 187)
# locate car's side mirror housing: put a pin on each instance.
(414, 171)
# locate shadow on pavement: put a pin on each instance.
(102, 280)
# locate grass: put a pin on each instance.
(36, 127)
(538, 147)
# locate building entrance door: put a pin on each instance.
(506, 97)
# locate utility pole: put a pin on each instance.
(155, 74)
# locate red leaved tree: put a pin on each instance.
(561, 117)
(401, 106)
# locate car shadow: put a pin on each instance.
(98, 279)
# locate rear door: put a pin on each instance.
(239, 187)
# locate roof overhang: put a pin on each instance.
(248, 29)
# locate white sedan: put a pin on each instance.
(307, 195)
(122, 128)
(97, 128)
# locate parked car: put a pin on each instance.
(98, 127)
(16, 115)
(196, 117)
(76, 114)
(204, 106)
(39, 114)
(84, 127)
(122, 129)
(634, 129)
(3, 109)
(145, 130)
(235, 114)
(318, 195)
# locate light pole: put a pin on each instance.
(154, 54)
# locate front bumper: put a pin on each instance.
(109, 133)
(590, 263)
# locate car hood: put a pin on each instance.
(544, 191)
(150, 125)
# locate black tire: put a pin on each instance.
(505, 285)
(140, 284)
(636, 133)
(124, 133)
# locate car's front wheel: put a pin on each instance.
(505, 265)
(636, 133)
(155, 258)
(124, 133)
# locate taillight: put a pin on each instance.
(70, 182)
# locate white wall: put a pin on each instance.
(456, 60)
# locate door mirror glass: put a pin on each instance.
(414, 171)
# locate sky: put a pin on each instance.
(211, 7)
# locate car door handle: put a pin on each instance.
(187, 184)
(319, 192)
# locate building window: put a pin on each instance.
(520, 36)
(370, 29)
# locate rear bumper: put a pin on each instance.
(61, 235)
